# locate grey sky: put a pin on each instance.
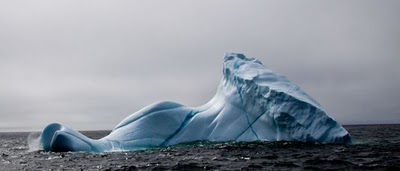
(89, 64)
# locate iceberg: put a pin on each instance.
(251, 103)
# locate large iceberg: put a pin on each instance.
(252, 103)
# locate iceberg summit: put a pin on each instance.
(252, 103)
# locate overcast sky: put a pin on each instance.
(89, 64)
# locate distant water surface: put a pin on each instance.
(376, 147)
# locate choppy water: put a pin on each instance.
(377, 147)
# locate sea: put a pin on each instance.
(375, 147)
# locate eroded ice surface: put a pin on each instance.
(252, 103)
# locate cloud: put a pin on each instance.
(90, 62)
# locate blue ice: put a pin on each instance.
(252, 103)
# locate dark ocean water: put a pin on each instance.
(376, 147)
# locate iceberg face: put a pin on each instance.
(252, 103)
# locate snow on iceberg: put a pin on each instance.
(252, 103)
